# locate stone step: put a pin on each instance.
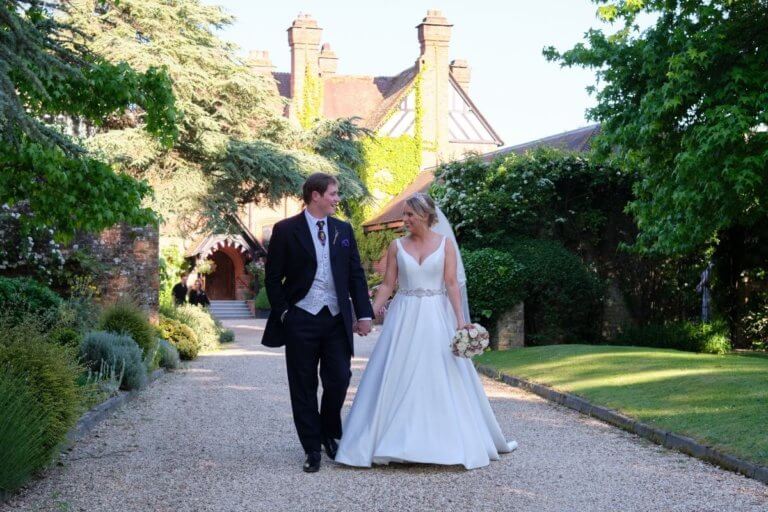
(221, 309)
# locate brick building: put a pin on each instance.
(450, 122)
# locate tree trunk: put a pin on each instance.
(731, 263)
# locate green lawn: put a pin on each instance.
(721, 401)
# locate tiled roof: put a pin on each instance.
(574, 140)
(398, 86)
(353, 96)
(393, 212)
(369, 98)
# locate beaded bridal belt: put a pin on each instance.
(421, 292)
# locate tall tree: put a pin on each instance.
(46, 76)
(232, 135)
(685, 102)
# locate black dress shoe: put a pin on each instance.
(312, 464)
(331, 446)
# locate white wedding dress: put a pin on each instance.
(417, 402)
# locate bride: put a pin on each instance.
(417, 402)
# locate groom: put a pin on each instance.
(313, 269)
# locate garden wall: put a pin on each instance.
(130, 256)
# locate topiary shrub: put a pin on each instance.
(126, 318)
(562, 297)
(494, 282)
(200, 321)
(50, 373)
(688, 336)
(65, 337)
(227, 336)
(115, 350)
(21, 296)
(262, 301)
(22, 431)
(169, 356)
(180, 336)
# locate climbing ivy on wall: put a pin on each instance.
(313, 93)
(391, 163)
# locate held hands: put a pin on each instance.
(362, 327)
(463, 325)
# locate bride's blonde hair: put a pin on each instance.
(424, 206)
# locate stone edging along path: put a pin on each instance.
(100, 411)
(667, 439)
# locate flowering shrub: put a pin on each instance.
(543, 194)
(26, 249)
(181, 336)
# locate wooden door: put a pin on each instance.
(220, 285)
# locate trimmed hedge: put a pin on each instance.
(494, 282)
(180, 336)
(118, 351)
(688, 336)
(126, 318)
(562, 297)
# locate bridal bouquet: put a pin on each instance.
(470, 341)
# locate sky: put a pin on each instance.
(523, 96)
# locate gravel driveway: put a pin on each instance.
(219, 436)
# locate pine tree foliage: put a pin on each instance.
(46, 75)
(234, 146)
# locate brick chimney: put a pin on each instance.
(260, 62)
(328, 61)
(304, 39)
(434, 35)
(461, 73)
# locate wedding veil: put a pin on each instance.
(443, 227)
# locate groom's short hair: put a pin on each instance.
(317, 182)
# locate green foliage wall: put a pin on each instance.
(312, 99)
(681, 97)
(391, 164)
(579, 205)
(562, 297)
(373, 245)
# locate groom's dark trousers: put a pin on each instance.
(312, 340)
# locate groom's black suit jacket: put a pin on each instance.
(291, 266)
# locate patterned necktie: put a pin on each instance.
(320, 232)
